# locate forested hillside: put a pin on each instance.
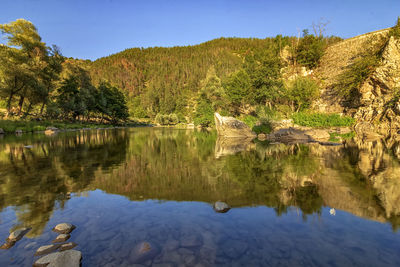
(227, 73)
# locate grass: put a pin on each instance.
(10, 126)
(322, 120)
(334, 136)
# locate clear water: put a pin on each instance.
(294, 205)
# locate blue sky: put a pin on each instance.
(91, 29)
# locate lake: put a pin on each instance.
(291, 205)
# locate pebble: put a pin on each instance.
(64, 228)
(143, 252)
(67, 246)
(69, 258)
(46, 249)
(61, 238)
(18, 234)
(221, 207)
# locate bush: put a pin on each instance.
(301, 92)
(164, 119)
(204, 115)
(310, 50)
(249, 120)
(351, 79)
(322, 120)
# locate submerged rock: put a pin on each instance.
(191, 241)
(46, 249)
(64, 228)
(67, 246)
(61, 238)
(221, 207)
(231, 127)
(18, 234)
(144, 251)
(69, 258)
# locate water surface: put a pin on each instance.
(292, 205)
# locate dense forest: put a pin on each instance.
(37, 81)
(229, 75)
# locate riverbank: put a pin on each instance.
(22, 126)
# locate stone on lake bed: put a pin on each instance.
(67, 246)
(221, 207)
(61, 238)
(191, 241)
(46, 249)
(144, 251)
(69, 258)
(18, 234)
(64, 228)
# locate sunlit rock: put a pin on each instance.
(61, 238)
(46, 249)
(64, 228)
(221, 207)
(231, 127)
(67, 246)
(18, 234)
(69, 258)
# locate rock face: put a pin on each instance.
(231, 127)
(69, 258)
(221, 207)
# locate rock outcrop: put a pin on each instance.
(231, 127)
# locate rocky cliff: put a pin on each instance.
(376, 107)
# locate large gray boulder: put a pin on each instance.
(231, 127)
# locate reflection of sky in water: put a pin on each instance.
(109, 226)
(292, 205)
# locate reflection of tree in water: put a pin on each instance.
(36, 180)
(167, 164)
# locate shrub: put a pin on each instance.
(310, 50)
(164, 119)
(249, 120)
(301, 92)
(322, 120)
(395, 31)
(204, 115)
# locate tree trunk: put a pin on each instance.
(42, 108)
(20, 104)
(9, 102)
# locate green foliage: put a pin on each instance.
(237, 87)
(167, 119)
(301, 92)
(249, 120)
(321, 120)
(334, 136)
(204, 115)
(310, 50)
(395, 30)
(351, 79)
(264, 127)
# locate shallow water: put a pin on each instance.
(294, 205)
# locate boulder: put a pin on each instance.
(289, 136)
(1, 131)
(8, 244)
(64, 228)
(46, 249)
(221, 207)
(69, 258)
(18, 131)
(18, 234)
(67, 246)
(262, 137)
(51, 130)
(231, 127)
(143, 252)
(318, 134)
